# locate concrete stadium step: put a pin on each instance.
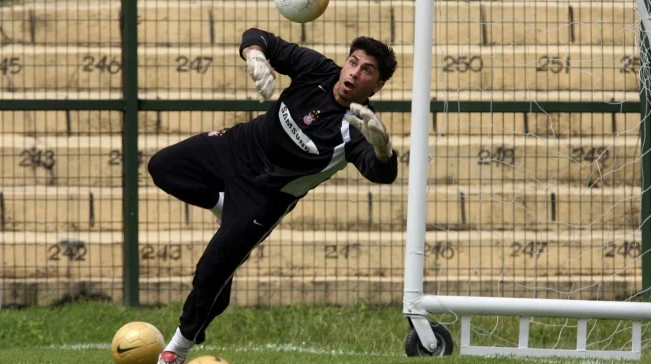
(301, 253)
(544, 124)
(532, 96)
(106, 123)
(109, 123)
(282, 291)
(96, 161)
(191, 23)
(508, 68)
(336, 207)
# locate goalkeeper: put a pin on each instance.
(252, 174)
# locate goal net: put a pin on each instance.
(543, 198)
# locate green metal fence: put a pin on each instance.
(535, 181)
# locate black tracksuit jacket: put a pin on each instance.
(304, 139)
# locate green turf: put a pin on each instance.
(354, 335)
(50, 356)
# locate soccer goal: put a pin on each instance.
(547, 235)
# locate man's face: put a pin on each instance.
(359, 78)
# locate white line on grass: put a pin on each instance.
(317, 351)
(268, 347)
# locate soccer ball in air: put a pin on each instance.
(137, 343)
(301, 11)
(208, 359)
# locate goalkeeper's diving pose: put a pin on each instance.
(252, 174)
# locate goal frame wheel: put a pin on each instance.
(444, 342)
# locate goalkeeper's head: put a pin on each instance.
(383, 54)
(369, 65)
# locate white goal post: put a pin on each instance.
(417, 305)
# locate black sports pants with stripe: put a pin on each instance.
(195, 171)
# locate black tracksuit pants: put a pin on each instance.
(195, 171)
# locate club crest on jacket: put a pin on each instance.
(217, 132)
(311, 117)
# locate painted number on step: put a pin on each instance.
(102, 64)
(629, 64)
(500, 156)
(116, 158)
(440, 250)
(531, 249)
(199, 64)
(553, 64)
(162, 252)
(37, 158)
(73, 253)
(346, 251)
(627, 249)
(10, 65)
(463, 64)
(590, 154)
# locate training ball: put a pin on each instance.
(208, 359)
(301, 11)
(137, 343)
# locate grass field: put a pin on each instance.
(81, 333)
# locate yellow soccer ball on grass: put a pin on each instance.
(137, 343)
(208, 359)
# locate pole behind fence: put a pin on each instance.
(129, 32)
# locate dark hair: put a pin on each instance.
(383, 54)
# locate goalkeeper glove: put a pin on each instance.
(261, 72)
(365, 120)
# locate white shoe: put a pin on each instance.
(170, 357)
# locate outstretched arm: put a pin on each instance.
(286, 58)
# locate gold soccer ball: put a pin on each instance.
(301, 11)
(137, 343)
(208, 359)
